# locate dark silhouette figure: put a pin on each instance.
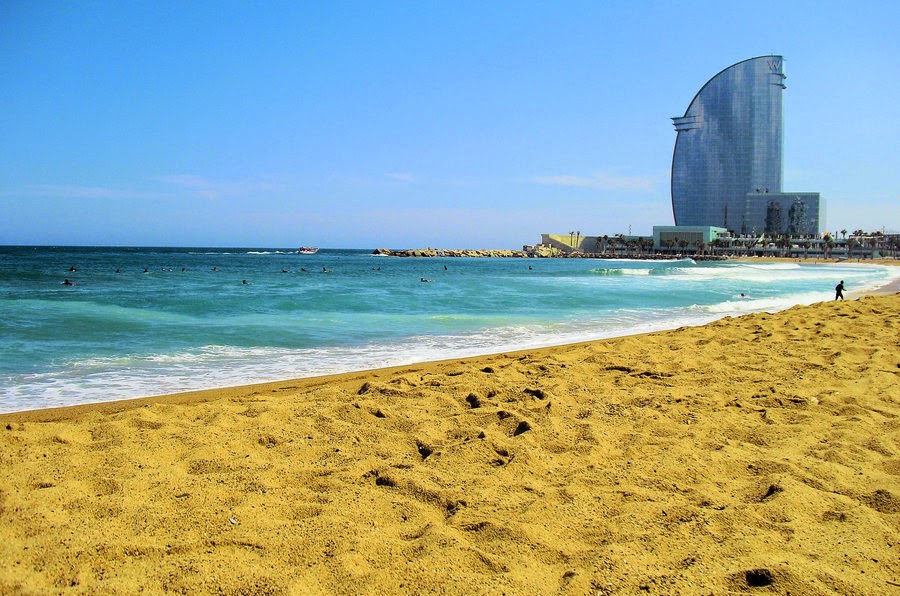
(839, 290)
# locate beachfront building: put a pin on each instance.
(791, 213)
(575, 244)
(681, 237)
(727, 163)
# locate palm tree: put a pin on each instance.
(578, 238)
(851, 244)
(669, 244)
(700, 246)
(683, 244)
(829, 245)
(786, 244)
(806, 245)
(844, 234)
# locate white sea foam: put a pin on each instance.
(761, 273)
(620, 271)
(749, 304)
(663, 261)
(212, 366)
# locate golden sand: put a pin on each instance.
(753, 455)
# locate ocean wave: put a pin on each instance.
(617, 271)
(750, 304)
(761, 274)
(653, 261)
(129, 376)
(772, 266)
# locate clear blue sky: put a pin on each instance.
(409, 124)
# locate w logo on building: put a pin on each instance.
(774, 65)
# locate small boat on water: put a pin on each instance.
(307, 250)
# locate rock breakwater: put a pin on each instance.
(435, 252)
(533, 252)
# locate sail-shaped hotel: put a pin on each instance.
(727, 165)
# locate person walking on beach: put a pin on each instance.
(839, 290)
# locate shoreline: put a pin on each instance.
(193, 396)
(702, 459)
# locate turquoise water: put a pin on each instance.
(182, 325)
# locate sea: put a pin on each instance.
(148, 321)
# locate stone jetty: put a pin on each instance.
(436, 252)
(539, 251)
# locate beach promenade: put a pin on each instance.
(753, 454)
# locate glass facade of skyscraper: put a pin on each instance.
(793, 213)
(729, 144)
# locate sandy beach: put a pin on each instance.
(758, 454)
